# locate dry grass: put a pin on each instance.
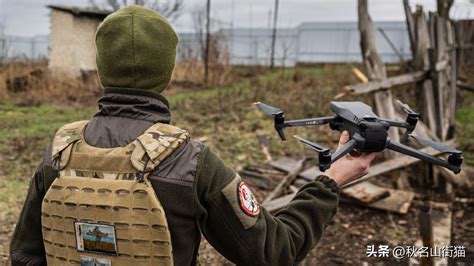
(191, 71)
(28, 83)
(31, 83)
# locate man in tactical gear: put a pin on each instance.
(136, 50)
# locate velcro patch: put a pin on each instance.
(247, 200)
(243, 202)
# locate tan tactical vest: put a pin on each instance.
(102, 209)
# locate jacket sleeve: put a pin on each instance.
(283, 239)
(26, 247)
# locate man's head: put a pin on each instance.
(136, 48)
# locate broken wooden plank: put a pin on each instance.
(360, 75)
(257, 180)
(286, 164)
(465, 86)
(286, 181)
(375, 170)
(310, 173)
(266, 170)
(387, 83)
(366, 192)
(398, 201)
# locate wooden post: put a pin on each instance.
(274, 30)
(443, 73)
(420, 45)
(452, 78)
(376, 71)
(374, 65)
(426, 232)
(410, 25)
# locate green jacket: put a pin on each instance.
(193, 186)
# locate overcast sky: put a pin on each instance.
(30, 17)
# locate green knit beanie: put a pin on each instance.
(136, 48)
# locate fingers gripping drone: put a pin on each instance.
(368, 133)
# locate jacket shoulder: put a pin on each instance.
(181, 166)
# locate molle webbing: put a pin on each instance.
(141, 227)
(150, 148)
(100, 186)
(100, 163)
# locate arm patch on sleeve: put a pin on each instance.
(243, 202)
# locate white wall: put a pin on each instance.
(72, 43)
(314, 42)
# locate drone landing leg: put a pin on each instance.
(421, 155)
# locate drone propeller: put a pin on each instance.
(324, 153)
(412, 120)
(278, 114)
(406, 108)
(435, 145)
(312, 145)
(267, 109)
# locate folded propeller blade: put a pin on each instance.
(312, 145)
(406, 108)
(435, 145)
(267, 109)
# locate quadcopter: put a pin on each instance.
(368, 133)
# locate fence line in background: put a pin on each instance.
(312, 42)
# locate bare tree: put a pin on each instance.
(3, 44)
(171, 9)
(199, 20)
(286, 46)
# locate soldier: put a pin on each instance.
(127, 167)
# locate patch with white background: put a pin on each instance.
(247, 200)
(243, 202)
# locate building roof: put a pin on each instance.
(82, 11)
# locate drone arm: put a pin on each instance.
(421, 155)
(280, 123)
(394, 123)
(309, 121)
(343, 150)
(409, 125)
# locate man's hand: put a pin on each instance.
(351, 166)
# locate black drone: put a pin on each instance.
(368, 133)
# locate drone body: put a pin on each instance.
(368, 133)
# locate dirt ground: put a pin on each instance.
(231, 128)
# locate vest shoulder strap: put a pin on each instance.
(64, 137)
(157, 143)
